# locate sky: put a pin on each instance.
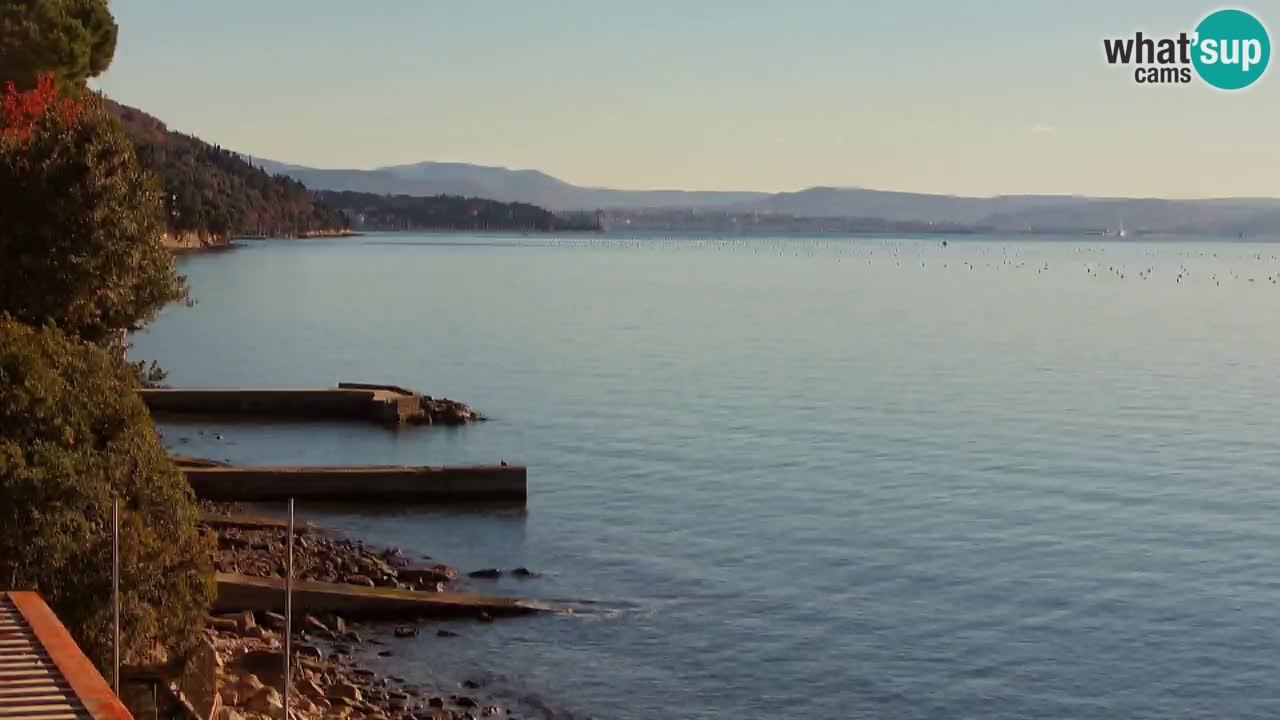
(976, 98)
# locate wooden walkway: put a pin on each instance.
(43, 673)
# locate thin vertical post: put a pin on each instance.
(115, 595)
(288, 612)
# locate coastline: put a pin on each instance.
(345, 232)
(336, 650)
(236, 666)
(192, 241)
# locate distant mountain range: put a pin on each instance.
(1004, 213)
(498, 183)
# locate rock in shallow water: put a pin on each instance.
(310, 651)
(425, 575)
(314, 624)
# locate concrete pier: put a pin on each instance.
(349, 401)
(244, 592)
(483, 483)
(253, 522)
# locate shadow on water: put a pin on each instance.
(498, 510)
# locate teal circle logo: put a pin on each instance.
(1232, 49)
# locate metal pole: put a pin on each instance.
(288, 612)
(115, 593)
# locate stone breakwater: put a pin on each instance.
(237, 670)
(319, 556)
(443, 411)
(388, 404)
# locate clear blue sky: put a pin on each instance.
(977, 97)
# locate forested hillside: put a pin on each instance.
(213, 191)
(447, 212)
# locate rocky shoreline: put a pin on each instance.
(443, 411)
(237, 671)
(342, 232)
(262, 551)
(188, 241)
(191, 241)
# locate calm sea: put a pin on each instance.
(804, 477)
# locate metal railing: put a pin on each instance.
(288, 606)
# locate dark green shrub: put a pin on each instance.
(74, 435)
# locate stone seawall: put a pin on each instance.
(381, 406)
(244, 592)
(469, 484)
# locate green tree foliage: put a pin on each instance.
(212, 190)
(80, 224)
(73, 39)
(74, 435)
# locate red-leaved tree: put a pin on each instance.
(23, 110)
(81, 243)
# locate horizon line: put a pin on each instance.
(765, 193)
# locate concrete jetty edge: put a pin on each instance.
(244, 592)
(480, 483)
(384, 404)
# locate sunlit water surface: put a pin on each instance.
(854, 477)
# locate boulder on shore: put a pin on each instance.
(443, 411)
(427, 575)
